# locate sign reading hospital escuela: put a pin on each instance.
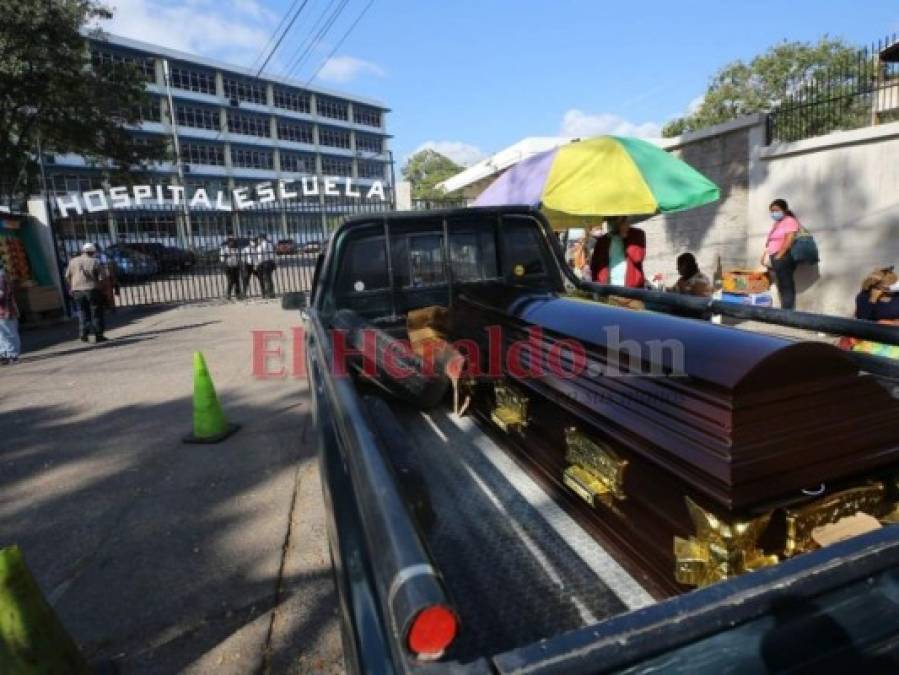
(267, 192)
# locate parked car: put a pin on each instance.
(286, 247)
(169, 258)
(312, 246)
(130, 265)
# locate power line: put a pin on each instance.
(321, 34)
(275, 32)
(341, 41)
(300, 50)
(281, 39)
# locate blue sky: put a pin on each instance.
(471, 77)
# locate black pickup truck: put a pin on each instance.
(450, 557)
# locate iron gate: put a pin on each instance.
(165, 254)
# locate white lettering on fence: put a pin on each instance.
(120, 197)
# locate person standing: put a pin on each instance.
(84, 275)
(777, 251)
(229, 256)
(265, 266)
(10, 344)
(248, 263)
(618, 255)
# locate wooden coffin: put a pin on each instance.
(694, 451)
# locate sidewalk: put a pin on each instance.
(163, 556)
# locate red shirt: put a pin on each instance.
(634, 252)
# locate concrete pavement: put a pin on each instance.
(165, 557)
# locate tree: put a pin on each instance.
(425, 169)
(55, 99)
(785, 70)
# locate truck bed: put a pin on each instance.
(518, 569)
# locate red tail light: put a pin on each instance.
(432, 632)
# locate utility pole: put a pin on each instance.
(184, 228)
(392, 181)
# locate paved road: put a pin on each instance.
(167, 557)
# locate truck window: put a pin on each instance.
(524, 249)
(364, 266)
(426, 260)
(473, 255)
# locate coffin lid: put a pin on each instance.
(719, 355)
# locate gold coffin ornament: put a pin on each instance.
(718, 550)
(596, 472)
(511, 411)
(802, 521)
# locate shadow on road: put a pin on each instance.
(153, 552)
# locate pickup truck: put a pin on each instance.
(449, 557)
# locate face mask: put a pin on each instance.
(777, 215)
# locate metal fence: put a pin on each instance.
(857, 91)
(164, 254)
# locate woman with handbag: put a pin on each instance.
(777, 251)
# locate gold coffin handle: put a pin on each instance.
(803, 520)
(595, 472)
(511, 411)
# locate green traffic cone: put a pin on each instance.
(32, 639)
(210, 425)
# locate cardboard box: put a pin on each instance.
(745, 281)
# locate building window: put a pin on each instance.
(333, 108)
(199, 117)
(298, 101)
(295, 162)
(248, 125)
(252, 158)
(369, 143)
(371, 169)
(65, 183)
(334, 138)
(150, 110)
(203, 153)
(363, 114)
(245, 90)
(212, 186)
(189, 79)
(336, 166)
(294, 131)
(111, 59)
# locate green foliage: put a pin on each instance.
(425, 169)
(54, 99)
(786, 70)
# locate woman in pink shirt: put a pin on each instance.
(777, 251)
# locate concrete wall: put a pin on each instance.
(844, 187)
(718, 230)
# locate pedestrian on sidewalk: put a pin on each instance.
(265, 266)
(229, 255)
(10, 344)
(84, 276)
(777, 251)
(248, 256)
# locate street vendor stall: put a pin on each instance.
(20, 248)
